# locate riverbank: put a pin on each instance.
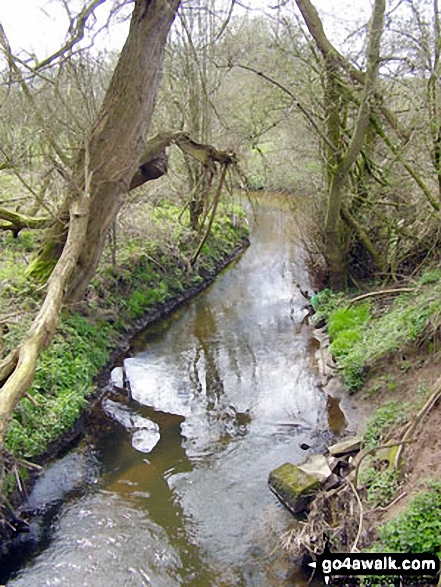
(386, 344)
(145, 280)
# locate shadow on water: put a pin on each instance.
(223, 391)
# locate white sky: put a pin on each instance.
(40, 26)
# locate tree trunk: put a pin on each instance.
(117, 138)
(339, 175)
(102, 176)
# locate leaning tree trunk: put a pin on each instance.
(117, 138)
(333, 241)
(102, 176)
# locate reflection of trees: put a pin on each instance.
(205, 373)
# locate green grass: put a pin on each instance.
(149, 272)
(63, 382)
(360, 336)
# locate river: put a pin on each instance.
(173, 492)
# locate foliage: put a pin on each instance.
(151, 270)
(361, 336)
(383, 420)
(381, 485)
(325, 302)
(418, 528)
(62, 384)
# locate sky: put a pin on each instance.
(40, 26)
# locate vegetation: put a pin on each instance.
(418, 529)
(362, 335)
(261, 99)
(149, 272)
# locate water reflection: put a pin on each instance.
(223, 392)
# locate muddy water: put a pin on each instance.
(223, 391)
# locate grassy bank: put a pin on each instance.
(386, 345)
(142, 275)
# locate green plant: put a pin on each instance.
(381, 485)
(430, 276)
(381, 421)
(418, 528)
(325, 302)
(360, 336)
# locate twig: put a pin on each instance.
(360, 520)
(371, 451)
(396, 500)
(372, 294)
(32, 400)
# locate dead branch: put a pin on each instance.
(360, 521)
(153, 163)
(367, 452)
(433, 399)
(213, 214)
(18, 369)
(372, 294)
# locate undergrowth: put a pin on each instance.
(416, 530)
(361, 335)
(150, 269)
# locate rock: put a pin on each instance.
(317, 465)
(293, 487)
(346, 446)
(389, 455)
(334, 463)
(320, 323)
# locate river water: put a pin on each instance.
(173, 490)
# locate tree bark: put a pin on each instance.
(117, 138)
(338, 173)
(100, 180)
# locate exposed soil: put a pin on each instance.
(406, 378)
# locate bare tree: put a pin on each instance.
(341, 161)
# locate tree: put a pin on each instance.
(341, 160)
(113, 159)
(100, 179)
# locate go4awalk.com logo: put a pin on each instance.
(408, 569)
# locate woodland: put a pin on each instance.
(205, 99)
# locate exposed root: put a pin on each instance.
(332, 520)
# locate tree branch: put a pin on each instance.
(19, 221)
(77, 28)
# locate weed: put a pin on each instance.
(149, 273)
(381, 485)
(382, 421)
(418, 528)
(360, 338)
(430, 276)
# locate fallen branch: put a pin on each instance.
(18, 369)
(434, 397)
(365, 453)
(372, 294)
(360, 520)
